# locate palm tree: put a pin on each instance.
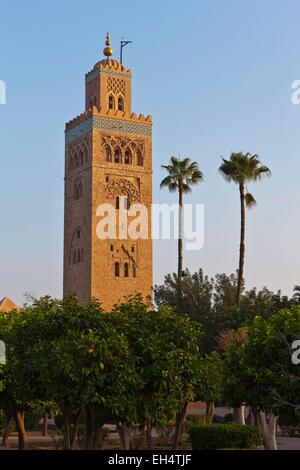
(296, 295)
(242, 168)
(182, 175)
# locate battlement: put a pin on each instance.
(107, 65)
(132, 117)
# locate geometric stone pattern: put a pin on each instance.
(115, 85)
(108, 124)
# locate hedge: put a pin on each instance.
(224, 436)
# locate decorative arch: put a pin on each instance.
(77, 244)
(120, 103)
(77, 189)
(133, 270)
(81, 157)
(76, 160)
(71, 163)
(126, 269)
(111, 102)
(122, 186)
(128, 157)
(118, 155)
(139, 158)
(108, 153)
(85, 152)
(117, 269)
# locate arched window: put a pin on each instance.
(134, 270)
(126, 203)
(111, 102)
(78, 256)
(127, 157)
(76, 160)
(78, 233)
(79, 191)
(90, 104)
(85, 153)
(117, 155)
(95, 101)
(140, 160)
(74, 256)
(108, 154)
(81, 157)
(117, 202)
(126, 270)
(117, 269)
(71, 163)
(120, 104)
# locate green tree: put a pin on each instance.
(70, 355)
(260, 370)
(196, 302)
(209, 386)
(90, 372)
(242, 168)
(182, 175)
(165, 348)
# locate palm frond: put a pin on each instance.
(250, 200)
(181, 173)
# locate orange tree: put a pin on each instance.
(260, 370)
(128, 367)
(77, 359)
(165, 351)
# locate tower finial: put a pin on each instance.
(107, 51)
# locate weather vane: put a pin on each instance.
(123, 44)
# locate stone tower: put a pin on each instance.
(108, 160)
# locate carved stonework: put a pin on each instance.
(122, 186)
(133, 148)
(122, 143)
(78, 153)
(116, 85)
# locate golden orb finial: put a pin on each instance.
(108, 51)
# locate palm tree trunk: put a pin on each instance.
(242, 245)
(239, 413)
(180, 237)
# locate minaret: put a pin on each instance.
(108, 155)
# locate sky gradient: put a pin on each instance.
(215, 76)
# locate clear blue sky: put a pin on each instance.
(215, 75)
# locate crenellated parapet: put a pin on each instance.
(111, 120)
